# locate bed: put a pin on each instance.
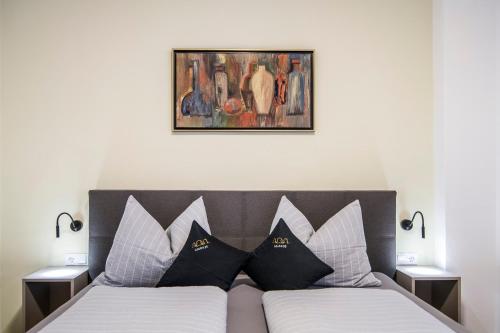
(242, 219)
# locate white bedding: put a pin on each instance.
(145, 310)
(345, 310)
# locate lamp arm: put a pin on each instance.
(423, 225)
(57, 222)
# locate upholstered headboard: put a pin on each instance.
(243, 218)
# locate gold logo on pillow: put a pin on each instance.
(200, 244)
(280, 242)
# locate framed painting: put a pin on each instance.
(243, 90)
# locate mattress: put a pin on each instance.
(145, 310)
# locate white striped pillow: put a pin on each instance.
(178, 231)
(140, 253)
(294, 219)
(340, 243)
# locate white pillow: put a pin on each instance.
(140, 253)
(340, 243)
(178, 231)
(294, 219)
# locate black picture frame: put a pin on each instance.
(176, 101)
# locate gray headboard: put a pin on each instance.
(243, 218)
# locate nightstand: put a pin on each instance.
(47, 289)
(439, 288)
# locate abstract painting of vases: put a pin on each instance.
(242, 90)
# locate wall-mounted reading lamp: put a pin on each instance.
(408, 224)
(75, 224)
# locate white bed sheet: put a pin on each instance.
(145, 310)
(341, 310)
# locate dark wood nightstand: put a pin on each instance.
(47, 289)
(439, 288)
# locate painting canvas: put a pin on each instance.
(242, 90)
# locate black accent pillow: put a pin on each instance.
(204, 261)
(282, 261)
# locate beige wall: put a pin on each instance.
(86, 104)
